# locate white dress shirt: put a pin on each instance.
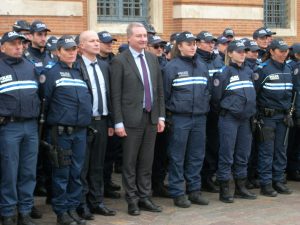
(90, 71)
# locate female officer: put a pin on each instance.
(235, 98)
(274, 95)
(187, 102)
(69, 112)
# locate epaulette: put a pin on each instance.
(50, 64)
(262, 65)
(223, 68)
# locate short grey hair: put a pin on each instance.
(132, 25)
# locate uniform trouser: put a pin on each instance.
(235, 147)
(186, 150)
(18, 159)
(210, 164)
(113, 152)
(272, 152)
(252, 163)
(66, 183)
(160, 162)
(138, 152)
(293, 150)
(92, 172)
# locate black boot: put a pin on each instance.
(241, 190)
(8, 220)
(65, 219)
(225, 195)
(208, 185)
(25, 219)
(35, 213)
(267, 190)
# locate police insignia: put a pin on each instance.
(216, 82)
(296, 71)
(42, 78)
(255, 76)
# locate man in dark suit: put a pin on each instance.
(138, 112)
(96, 74)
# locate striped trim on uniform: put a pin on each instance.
(18, 85)
(70, 82)
(239, 85)
(278, 86)
(189, 80)
(211, 72)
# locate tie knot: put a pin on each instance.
(141, 55)
(93, 64)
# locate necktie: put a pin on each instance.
(146, 84)
(100, 103)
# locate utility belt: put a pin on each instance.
(268, 112)
(59, 156)
(10, 119)
(63, 129)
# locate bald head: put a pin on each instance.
(89, 44)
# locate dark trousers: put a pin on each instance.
(160, 162)
(210, 164)
(235, 147)
(138, 151)
(112, 156)
(92, 173)
(252, 162)
(293, 150)
(66, 183)
(272, 152)
(18, 159)
(186, 151)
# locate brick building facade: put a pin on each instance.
(167, 16)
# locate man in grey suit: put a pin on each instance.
(138, 113)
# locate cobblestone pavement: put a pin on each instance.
(282, 210)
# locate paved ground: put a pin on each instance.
(282, 210)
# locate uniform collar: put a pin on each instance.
(11, 60)
(75, 65)
(36, 52)
(207, 56)
(236, 65)
(278, 64)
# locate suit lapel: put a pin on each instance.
(133, 65)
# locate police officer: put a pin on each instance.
(274, 94)
(235, 98)
(36, 52)
(251, 61)
(159, 168)
(293, 150)
(252, 49)
(23, 27)
(51, 47)
(68, 112)
(106, 44)
(156, 46)
(222, 44)
(187, 95)
(261, 37)
(19, 110)
(213, 63)
(229, 34)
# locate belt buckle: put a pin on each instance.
(97, 117)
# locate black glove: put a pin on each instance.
(288, 121)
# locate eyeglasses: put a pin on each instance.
(158, 46)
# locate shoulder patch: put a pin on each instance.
(262, 65)
(296, 71)
(42, 78)
(216, 82)
(255, 76)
